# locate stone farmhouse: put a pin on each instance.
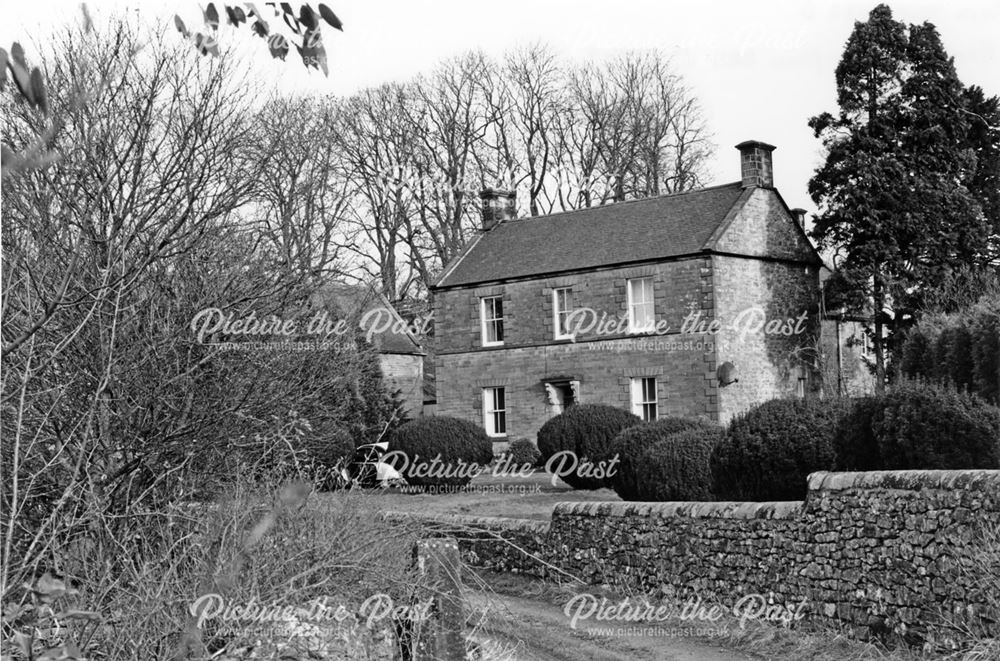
(700, 303)
(401, 355)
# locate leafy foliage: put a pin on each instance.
(855, 445)
(666, 460)
(768, 451)
(456, 444)
(586, 430)
(522, 452)
(630, 447)
(920, 426)
(898, 193)
(305, 25)
(961, 349)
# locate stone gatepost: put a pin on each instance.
(434, 630)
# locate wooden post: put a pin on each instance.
(438, 637)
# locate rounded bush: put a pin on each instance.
(927, 426)
(439, 450)
(668, 465)
(521, 452)
(768, 451)
(854, 445)
(586, 430)
(630, 445)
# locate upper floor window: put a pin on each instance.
(495, 411)
(867, 346)
(562, 307)
(491, 312)
(640, 305)
(644, 401)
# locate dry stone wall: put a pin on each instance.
(890, 551)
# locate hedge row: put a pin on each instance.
(961, 349)
(764, 454)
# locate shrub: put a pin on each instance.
(919, 425)
(768, 451)
(915, 353)
(586, 430)
(926, 426)
(962, 348)
(329, 447)
(335, 542)
(459, 445)
(630, 447)
(984, 329)
(854, 445)
(522, 452)
(671, 462)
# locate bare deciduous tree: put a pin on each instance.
(109, 252)
(301, 191)
(377, 144)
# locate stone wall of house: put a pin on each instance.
(679, 287)
(750, 293)
(780, 280)
(878, 552)
(769, 330)
(602, 363)
(764, 228)
(405, 373)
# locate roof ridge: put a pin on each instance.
(604, 206)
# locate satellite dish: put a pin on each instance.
(726, 374)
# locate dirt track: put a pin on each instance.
(533, 628)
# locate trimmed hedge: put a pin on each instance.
(586, 430)
(457, 444)
(855, 447)
(671, 461)
(920, 426)
(630, 447)
(522, 452)
(768, 451)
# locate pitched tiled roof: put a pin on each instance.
(353, 301)
(639, 230)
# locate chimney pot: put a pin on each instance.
(800, 217)
(498, 206)
(755, 164)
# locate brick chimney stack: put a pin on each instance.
(498, 205)
(755, 164)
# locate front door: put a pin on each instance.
(561, 396)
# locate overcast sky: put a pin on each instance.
(760, 69)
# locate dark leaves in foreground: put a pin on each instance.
(29, 81)
(305, 23)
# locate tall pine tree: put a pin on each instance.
(893, 194)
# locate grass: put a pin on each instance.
(130, 598)
(511, 497)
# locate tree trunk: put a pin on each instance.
(878, 296)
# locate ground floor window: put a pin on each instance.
(644, 397)
(495, 411)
